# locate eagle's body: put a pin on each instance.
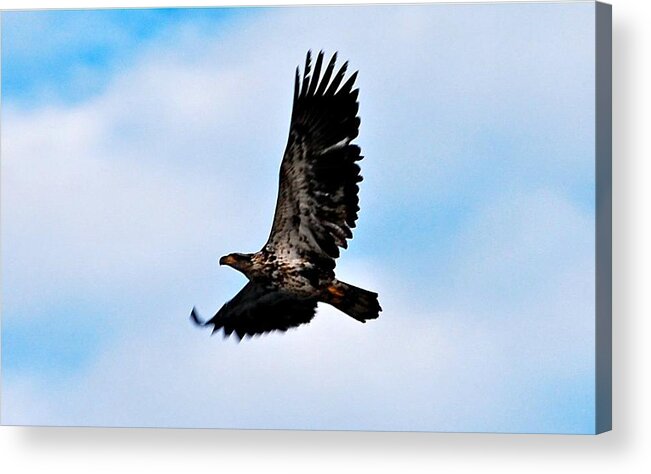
(293, 274)
(316, 209)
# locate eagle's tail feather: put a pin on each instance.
(355, 302)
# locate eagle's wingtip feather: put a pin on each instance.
(194, 317)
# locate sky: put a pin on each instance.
(138, 146)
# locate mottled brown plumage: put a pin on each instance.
(316, 210)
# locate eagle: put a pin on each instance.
(316, 209)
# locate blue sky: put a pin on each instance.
(70, 55)
(140, 145)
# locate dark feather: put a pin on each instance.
(337, 80)
(306, 73)
(327, 75)
(257, 310)
(318, 200)
(315, 75)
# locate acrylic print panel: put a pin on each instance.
(140, 148)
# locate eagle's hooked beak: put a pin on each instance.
(227, 260)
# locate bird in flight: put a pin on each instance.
(316, 209)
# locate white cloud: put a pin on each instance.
(404, 371)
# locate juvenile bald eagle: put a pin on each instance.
(316, 209)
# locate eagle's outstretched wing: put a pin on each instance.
(256, 310)
(317, 199)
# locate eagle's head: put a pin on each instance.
(239, 261)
